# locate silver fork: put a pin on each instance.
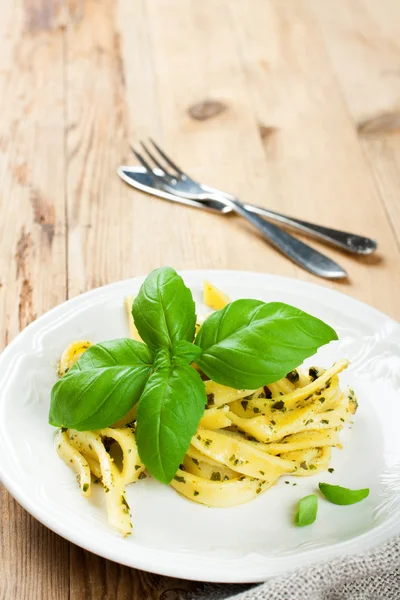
(180, 184)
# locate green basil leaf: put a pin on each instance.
(164, 310)
(249, 343)
(184, 353)
(343, 496)
(168, 415)
(162, 359)
(307, 511)
(102, 386)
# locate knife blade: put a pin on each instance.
(141, 179)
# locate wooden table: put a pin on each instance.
(292, 104)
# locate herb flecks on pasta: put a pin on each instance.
(245, 415)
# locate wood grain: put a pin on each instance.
(34, 561)
(370, 82)
(290, 104)
(315, 168)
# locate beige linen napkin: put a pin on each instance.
(371, 576)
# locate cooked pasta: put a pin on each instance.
(246, 440)
(87, 452)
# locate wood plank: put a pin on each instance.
(34, 561)
(221, 146)
(93, 577)
(113, 233)
(363, 44)
(315, 166)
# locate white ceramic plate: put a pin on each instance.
(173, 536)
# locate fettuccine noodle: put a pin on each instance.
(246, 440)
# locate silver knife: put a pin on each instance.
(141, 179)
(350, 242)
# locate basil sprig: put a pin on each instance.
(245, 345)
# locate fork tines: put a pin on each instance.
(155, 159)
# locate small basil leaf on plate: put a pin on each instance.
(164, 310)
(343, 496)
(306, 511)
(250, 343)
(102, 386)
(168, 415)
(184, 353)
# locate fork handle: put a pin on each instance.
(350, 242)
(300, 253)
